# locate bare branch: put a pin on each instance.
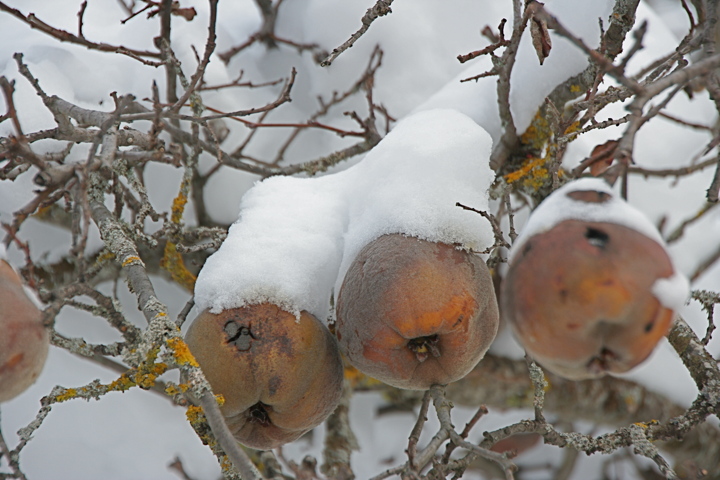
(381, 8)
(65, 36)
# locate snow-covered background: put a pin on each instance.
(137, 434)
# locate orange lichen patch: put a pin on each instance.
(646, 424)
(122, 384)
(574, 127)
(195, 415)
(533, 173)
(131, 259)
(147, 374)
(172, 389)
(68, 394)
(42, 211)
(181, 352)
(197, 420)
(539, 141)
(104, 257)
(178, 206)
(537, 135)
(173, 262)
(226, 465)
(144, 377)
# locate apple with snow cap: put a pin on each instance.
(591, 288)
(415, 313)
(280, 375)
(24, 341)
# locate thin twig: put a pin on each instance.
(381, 8)
(65, 36)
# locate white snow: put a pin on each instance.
(672, 292)
(284, 249)
(293, 233)
(530, 84)
(558, 207)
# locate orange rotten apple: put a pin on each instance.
(581, 296)
(414, 313)
(24, 340)
(280, 376)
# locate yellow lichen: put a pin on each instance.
(538, 141)
(122, 384)
(574, 127)
(195, 415)
(131, 259)
(537, 135)
(173, 262)
(104, 257)
(646, 424)
(173, 389)
(147, 374)
(533, 173)
(181, 352)
(178, 206)
(153, 353)
(68, 394)
(226, 465)
(575, 89)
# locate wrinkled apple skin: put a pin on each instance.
(24, 341)
(402, 291)
(280, 376)
(579, 299)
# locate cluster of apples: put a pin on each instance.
(385, 241)
(24, 341)
(590, 290)
(410, 312)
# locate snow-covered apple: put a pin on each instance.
(414, 313)
(591, 288)
(280, 375)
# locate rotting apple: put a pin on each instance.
(414, 313)
(579, 296)
(24, 340)
(280, 375)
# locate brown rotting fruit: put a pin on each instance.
(579, 298)
(413, 313)
(280, 375)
